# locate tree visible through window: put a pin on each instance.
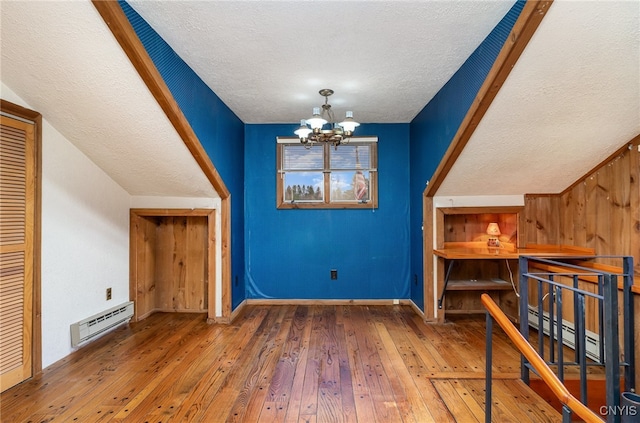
(321, 176)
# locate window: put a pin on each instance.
(326, 177)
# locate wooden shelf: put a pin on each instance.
(478, 285)
(467, 267)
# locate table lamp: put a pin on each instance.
(494, 232)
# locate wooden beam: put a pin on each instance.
(524, 28)
(116, 20)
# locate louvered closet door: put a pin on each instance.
(17, 190)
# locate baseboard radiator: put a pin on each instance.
(93, 326)
(568, 333)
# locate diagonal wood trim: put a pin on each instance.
(114, 17)
(524, 28)
(635, 141)
(124, 33)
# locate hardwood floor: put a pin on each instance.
(282, 364)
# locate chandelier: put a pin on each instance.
(311, 130)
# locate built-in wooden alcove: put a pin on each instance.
(172, 261)
(457, 227)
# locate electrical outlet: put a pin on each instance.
(334, 274)
(396, 302)
(108, 294)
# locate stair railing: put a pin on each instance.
(544, 272)
(570, 404)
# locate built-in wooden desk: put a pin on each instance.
(479, 250)
(479, 277)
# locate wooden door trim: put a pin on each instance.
(427, 272)
(12, 109)
(210, 214)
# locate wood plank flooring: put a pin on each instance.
(282, 364)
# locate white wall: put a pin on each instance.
(85, 239)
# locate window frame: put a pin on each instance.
(326, 171)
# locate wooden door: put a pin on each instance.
(17, 221)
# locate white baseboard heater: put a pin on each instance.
(93, 326)
(568, 333)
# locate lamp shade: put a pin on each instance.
(493, 229)
(348, 124)
(316, 121)
(303, 130)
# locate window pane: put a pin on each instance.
(297, 157)
(351, 156)
(303, 186)
(350, 185)
(325, 177)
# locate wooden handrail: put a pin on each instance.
(635, 288)
(547, 375)
(572, 248)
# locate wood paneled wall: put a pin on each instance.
(473, 227)
(169, 264)
(181, 264)
(467, 224)
(539, 220)
(144, 263)
(599, 211)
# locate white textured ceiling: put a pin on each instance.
(267, 60)
(62, 60)
(571, 100)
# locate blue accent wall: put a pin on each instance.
(219, 130)
(289, 253)
(433, 129)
